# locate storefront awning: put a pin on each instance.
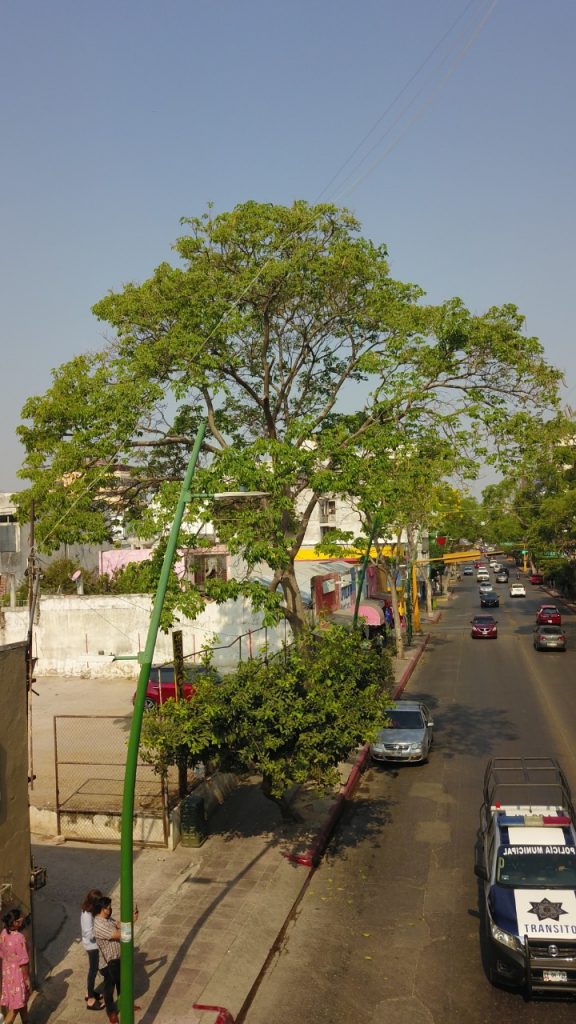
(371, 611)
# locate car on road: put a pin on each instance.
(502, 576)
(161, 684)
(536, 579)
(517, 590)
(468, 570)
(482, 576)
(484, 627)
(549, 615)
(526, 860)
(485, 587)
(549, 638)
(489, 599)
(407, 734)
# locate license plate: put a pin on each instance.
(554, 975)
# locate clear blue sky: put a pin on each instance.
(118, 118)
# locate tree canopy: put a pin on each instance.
(271, 316)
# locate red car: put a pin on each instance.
(484, 627)
(161, 684)
(548, 615)
(536, 578)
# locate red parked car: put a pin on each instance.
(161, 684)
(536, 578)
(484, 627)
(548, 615)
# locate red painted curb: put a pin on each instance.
(224, 1016)
(311, 857)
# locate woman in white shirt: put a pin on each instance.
(92, 999)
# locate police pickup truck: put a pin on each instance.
(526, 859)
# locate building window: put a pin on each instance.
(324, 530)
(200, 567)
(8, 532)
(327, 510)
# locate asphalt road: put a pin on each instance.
(388, 929)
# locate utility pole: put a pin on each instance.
(33, 588)
(178, 655)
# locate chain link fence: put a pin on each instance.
(90, 757)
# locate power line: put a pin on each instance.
(392, 104)
(346, 191)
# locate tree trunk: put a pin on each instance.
(182, 761)
(396, 616)
(429, 595)
(287, 812)
(294, 606)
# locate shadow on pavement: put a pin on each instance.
(52, 995)
(460, 729)
(178, 956)
(362, 822)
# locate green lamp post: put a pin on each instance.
(126, 1000)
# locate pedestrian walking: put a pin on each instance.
(92, 999)
(107, 937)
(15, 968)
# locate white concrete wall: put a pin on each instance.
(80, 636)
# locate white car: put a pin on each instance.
(485, 587)
(482, 577)
(517, 590)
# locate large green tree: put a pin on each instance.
(271, 315)
(535, 506)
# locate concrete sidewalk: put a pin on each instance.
(209, 917)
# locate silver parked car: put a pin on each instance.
(407, 734)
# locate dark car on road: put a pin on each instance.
(549, 638)
(489, 599)
(162, 683)
(536, 579)
(484, 627)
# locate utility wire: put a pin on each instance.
(393, 102)
(346, 191)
